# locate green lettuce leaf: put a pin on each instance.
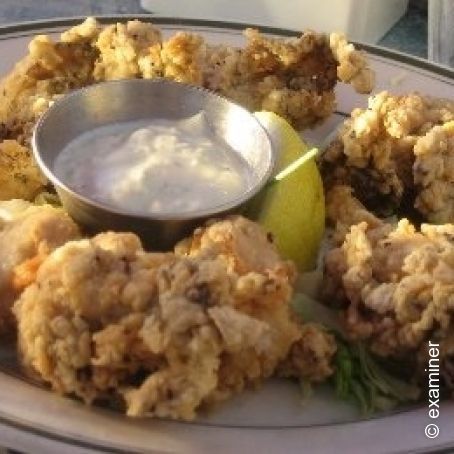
(358, 376)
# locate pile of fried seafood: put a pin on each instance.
(163, 334)
(167, 334)
(398, 154)
(393, 276)
(294, 77)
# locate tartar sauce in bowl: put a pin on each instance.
(155, 166)
(153, 157)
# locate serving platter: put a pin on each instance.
(271, 419)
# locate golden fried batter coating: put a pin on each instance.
(352, 64)
(19, 175)
(396, 285)
(310, 358)
(434, 174)
(49, 70)
(394, 151)
(27, 236)
(167, 333)
(242, 244)
(86, 32)
(344, 210)
(126, 51)
(293, 77)
(183, 58)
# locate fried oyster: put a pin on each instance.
(394, 283)
(293, 77)
(28, 234)
(20, 177)
(167, 333)
(399, 151)
(49, 70)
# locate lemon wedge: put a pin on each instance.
(292, 208)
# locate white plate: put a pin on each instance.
(269, 420)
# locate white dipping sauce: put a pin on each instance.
(155, 166)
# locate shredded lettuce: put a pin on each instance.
(358, 376)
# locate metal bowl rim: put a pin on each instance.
(212, 212)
